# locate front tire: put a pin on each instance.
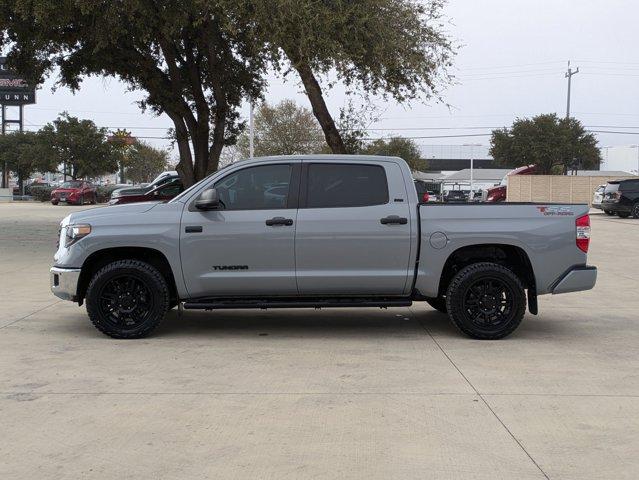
(635, 211)
(486, 301)
(127, 299)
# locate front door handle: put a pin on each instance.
(193, 229)
(279, 221)
(393, 220)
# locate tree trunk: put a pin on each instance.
(314, 94)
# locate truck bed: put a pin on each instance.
(545, 231)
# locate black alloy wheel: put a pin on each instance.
(635, 210)
(486, 301)
(127, 299)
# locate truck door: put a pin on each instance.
(246, 248)
(353, 229)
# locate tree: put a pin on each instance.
(283, 129)
(80, 147)
(23, 154)
(404, 148)
(198, 59)
(143, 162)
(551, 143)
(195, 59)
(389, 47)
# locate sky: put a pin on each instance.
(510, 64)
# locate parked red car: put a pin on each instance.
(161, 193)
(498, 193)
(75, 191)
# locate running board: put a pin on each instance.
(303, 302)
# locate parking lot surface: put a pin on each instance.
(363, 393)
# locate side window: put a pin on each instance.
(346, 185)
(263, 187)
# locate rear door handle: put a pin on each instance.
(279, 221)
(393, 220)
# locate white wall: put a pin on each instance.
(624, 158)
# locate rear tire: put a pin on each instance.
(438, 304)
(486, 301)
(127, 299)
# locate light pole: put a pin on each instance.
(251, 130)
(472, 166)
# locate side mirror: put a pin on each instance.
(209, 200)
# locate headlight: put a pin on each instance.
(115, 194)
(75, 233)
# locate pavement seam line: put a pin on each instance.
(485, 402)
(32, 313)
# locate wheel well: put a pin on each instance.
(99, 259)
(507, 255)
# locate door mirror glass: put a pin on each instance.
(209, 200)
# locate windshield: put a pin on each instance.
(71, 185)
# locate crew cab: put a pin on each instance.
(319, 231)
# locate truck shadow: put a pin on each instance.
(336, 323)
(293, 322)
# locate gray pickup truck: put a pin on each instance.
(319, 231)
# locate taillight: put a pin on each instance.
(425, 197)
(583, 233)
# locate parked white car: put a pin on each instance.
(597, 197)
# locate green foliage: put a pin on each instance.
(24, 153)
(283, 129)
(195, 59)
(41, 193)
(404, 148)
(353, 125)
(551, 143)
(81, 146)
(198, 59)
(398, 48)
(142, 162)
(395, 47)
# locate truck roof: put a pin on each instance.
(322, 156)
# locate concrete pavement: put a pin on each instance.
(371, 393)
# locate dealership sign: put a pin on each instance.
(14, 90)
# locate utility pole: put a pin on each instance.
(569, 75)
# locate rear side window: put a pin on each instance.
(629, 185)
(612, 187)
(346, 185)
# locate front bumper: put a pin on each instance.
(64, 282)
(576, 279)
